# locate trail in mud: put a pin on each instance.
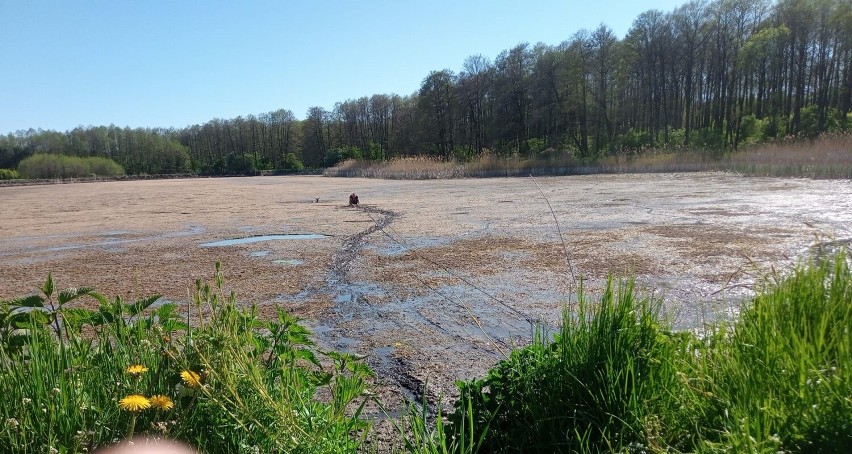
(352, 303)
(341, 262)
(442, 335)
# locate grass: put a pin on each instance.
(613, 378)
(235, 383)
(828, 156)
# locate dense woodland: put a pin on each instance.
(715, 75)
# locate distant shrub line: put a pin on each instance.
(52, 166)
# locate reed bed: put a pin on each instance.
(828, 156)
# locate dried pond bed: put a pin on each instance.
(435, 280)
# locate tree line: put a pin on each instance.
(710, 74)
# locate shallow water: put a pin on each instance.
(259, 238)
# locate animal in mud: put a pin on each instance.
(353, 199)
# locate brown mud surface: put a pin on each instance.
(433, 281)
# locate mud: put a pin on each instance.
(432, 281)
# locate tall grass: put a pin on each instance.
(829, 156)
(784, 377)
(606, 380)
(615, 378)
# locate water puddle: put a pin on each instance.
(290, 262)
(260, 238)
(260, 253)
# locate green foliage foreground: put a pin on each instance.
(615, 377)
(74, 379)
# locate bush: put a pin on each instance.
(291, 162)
(50, 166)
(239, 163)
(9, 174)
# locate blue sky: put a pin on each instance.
(162, 63)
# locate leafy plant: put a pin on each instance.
(215, 375)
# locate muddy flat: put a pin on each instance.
(434, 280)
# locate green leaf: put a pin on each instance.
(27, 318)
(100, 298)
(138, 306)
(28, 301)
(166, 312)
(70, 294)
(47, 288)
(107, 314)
(77, 317)
(319, 378)
(308, 355)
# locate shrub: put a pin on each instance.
(291, 162)
(240, 163)
(9, 174)
(50, 166)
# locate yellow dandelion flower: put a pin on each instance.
(134, 402)
(192, 379)
(161, 402)
(136, 369)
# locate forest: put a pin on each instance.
(709, 75)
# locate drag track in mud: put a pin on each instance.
(430, 281)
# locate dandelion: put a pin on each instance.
(134, 403)
(192, 379)
(136, 369)
(161, 402)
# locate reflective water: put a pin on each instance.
(257, 239)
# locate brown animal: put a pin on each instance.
(353, 199)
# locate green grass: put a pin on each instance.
(63, 371)
(613, 378)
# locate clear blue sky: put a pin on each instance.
(160, 63)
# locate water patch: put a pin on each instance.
(403, 245)
(258, 239)
(290, 262)
(260, 253)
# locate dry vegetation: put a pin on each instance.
(829, 156)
